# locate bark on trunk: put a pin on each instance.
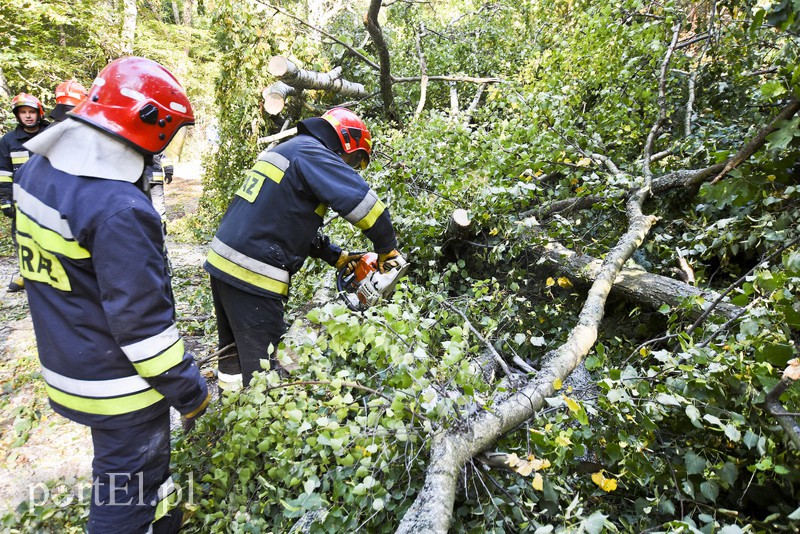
(635, 285)
(128, 36)
(288, 73)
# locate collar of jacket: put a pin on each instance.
(77, 148)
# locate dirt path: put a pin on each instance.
(37, 446)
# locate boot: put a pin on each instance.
(16, 284)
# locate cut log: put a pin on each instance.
(275, 97)
(288, 73)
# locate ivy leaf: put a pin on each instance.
(538, 482)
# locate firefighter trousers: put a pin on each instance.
(131, 484)
(253, 322)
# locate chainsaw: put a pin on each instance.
(365, 286)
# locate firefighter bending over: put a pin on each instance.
(271, 227)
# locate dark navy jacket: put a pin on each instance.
(91, 252)
(12, 156)
(267, 232)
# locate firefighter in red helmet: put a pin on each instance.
(272, 225)
(69, 94)
(30, 121)
(91, 244)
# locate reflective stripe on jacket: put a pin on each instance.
(266, 233)
(12, 155)
(91, 251)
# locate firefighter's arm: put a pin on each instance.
(341, 188)
(134, 284)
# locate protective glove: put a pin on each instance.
(390, 260)
(190, 418)
(167, 177)
(8, 211)
(348, 261)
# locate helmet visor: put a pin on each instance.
(357, 159)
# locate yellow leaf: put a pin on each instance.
(494, 231)
(557, 384)
(609, 485)
(584, 162)
(564, 282)
(525, 469)
(606, 484)
(580, 189)
(572, 404)
(512, 460)
(563, 441)
(538, 482)
(550, 282)
(643, 351)
(771, 177)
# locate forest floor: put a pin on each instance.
(39, 448)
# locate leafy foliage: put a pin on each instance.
(668, 430)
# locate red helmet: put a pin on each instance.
(137, 100)
(352, 131)
(24, 99)
(70, 93)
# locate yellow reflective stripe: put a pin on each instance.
(18, 158)
(370, 218)
(165, 505)
(112, 406)
(37, 264)
(5, 178)
(163, 362)
(269, 170)
(321, 209)
(49, 240)
(246, 275)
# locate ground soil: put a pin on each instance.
(37, 446)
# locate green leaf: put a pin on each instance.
(710, 490)
(695, 464)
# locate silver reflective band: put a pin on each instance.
(151, 346)
(174, 106)
(276, 159)
(363, 208)
(42, 213)
(249, 263)
(95, 388)
(130, 93)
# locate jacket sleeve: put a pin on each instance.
(322, 248)
(342, 189)
(135, 290)
(6, 175)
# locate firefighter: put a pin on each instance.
(91, 251)
(30, 121)
(69, 94)
(271, 227)
(158, 173)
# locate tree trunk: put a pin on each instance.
(635, 285)
(176, 14)
(129, 15)
(188, 8)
